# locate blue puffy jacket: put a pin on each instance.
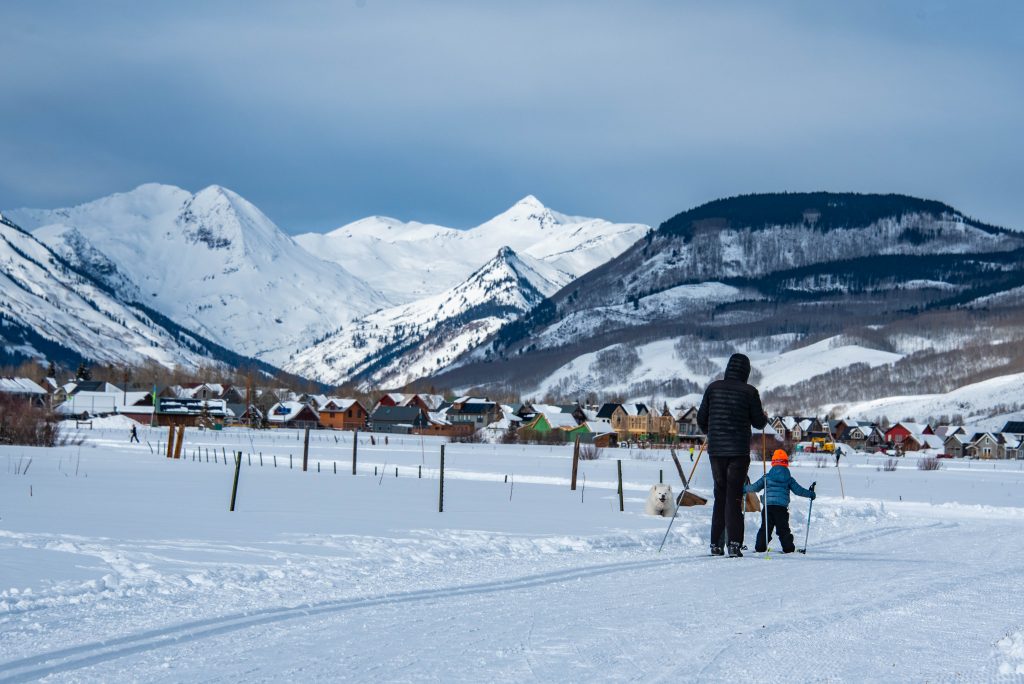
(780, 484)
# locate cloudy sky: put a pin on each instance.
(324, 112)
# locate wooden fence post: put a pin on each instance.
(440, 491)
(355, 444)
(170, 441)
(575, 463)
(234, 485)
(305, 452)
(622, 504)
(180, 442)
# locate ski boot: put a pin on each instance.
(734, 550)
(717, 550)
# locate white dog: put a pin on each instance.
(660, 501)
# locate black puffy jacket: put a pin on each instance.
(729, 409)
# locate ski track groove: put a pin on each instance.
(77, 657)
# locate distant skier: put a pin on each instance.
(729, 409)
(135, 435)
(775, 514)
(691, 453)
(839, 452)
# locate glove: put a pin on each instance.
(813, 495)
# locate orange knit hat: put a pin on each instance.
(780, 458)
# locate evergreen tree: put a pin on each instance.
(83, 372)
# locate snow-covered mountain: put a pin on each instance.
(396, 345)
(49, 310)
(211, 261)
(407, 261)
(737, 273)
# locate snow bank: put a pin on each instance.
(105, 423)
(1011, 652)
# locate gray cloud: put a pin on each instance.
(321, 113)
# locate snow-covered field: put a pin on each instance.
(118, 564)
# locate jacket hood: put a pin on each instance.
(738, 368)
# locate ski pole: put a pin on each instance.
(810, 507)
(686, 486)
(662, 545)
(764, 500)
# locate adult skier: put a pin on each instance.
(729, 409)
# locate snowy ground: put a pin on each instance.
(118, 564)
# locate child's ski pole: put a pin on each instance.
(810, 507)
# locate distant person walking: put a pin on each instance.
(135, 435)
(729, 409)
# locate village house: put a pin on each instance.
(686, 423)
(987, 445)
(548, 421)
(291, 414)
(424, 402)
(1014, 445)
(397, 419)
(626, 421)
(438, 424)
(23, 389)
(342, 414)
(390, 399)
(955, 444)
(476, 411)
(899, 432)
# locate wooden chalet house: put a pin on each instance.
(343, 414)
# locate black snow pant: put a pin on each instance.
(778, 520)
(727, 515)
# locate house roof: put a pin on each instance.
(560, 420)
(474, 407)
(433, 401)
(9, 385)
(607, 410)
(93, 386)
(282, 411)
(634, 409)
(912, 428)
(402, 414)
(1015, 427)
(338, 404)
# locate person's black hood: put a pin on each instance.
(738, 368)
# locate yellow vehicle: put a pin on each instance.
(821, 444)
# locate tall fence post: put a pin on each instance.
(575, 463)
(234, 485)
(305, 452)
(440, 491)
(180, 442)
(622, 504)
(170, 441)
(355, 446)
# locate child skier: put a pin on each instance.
(776, 509)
